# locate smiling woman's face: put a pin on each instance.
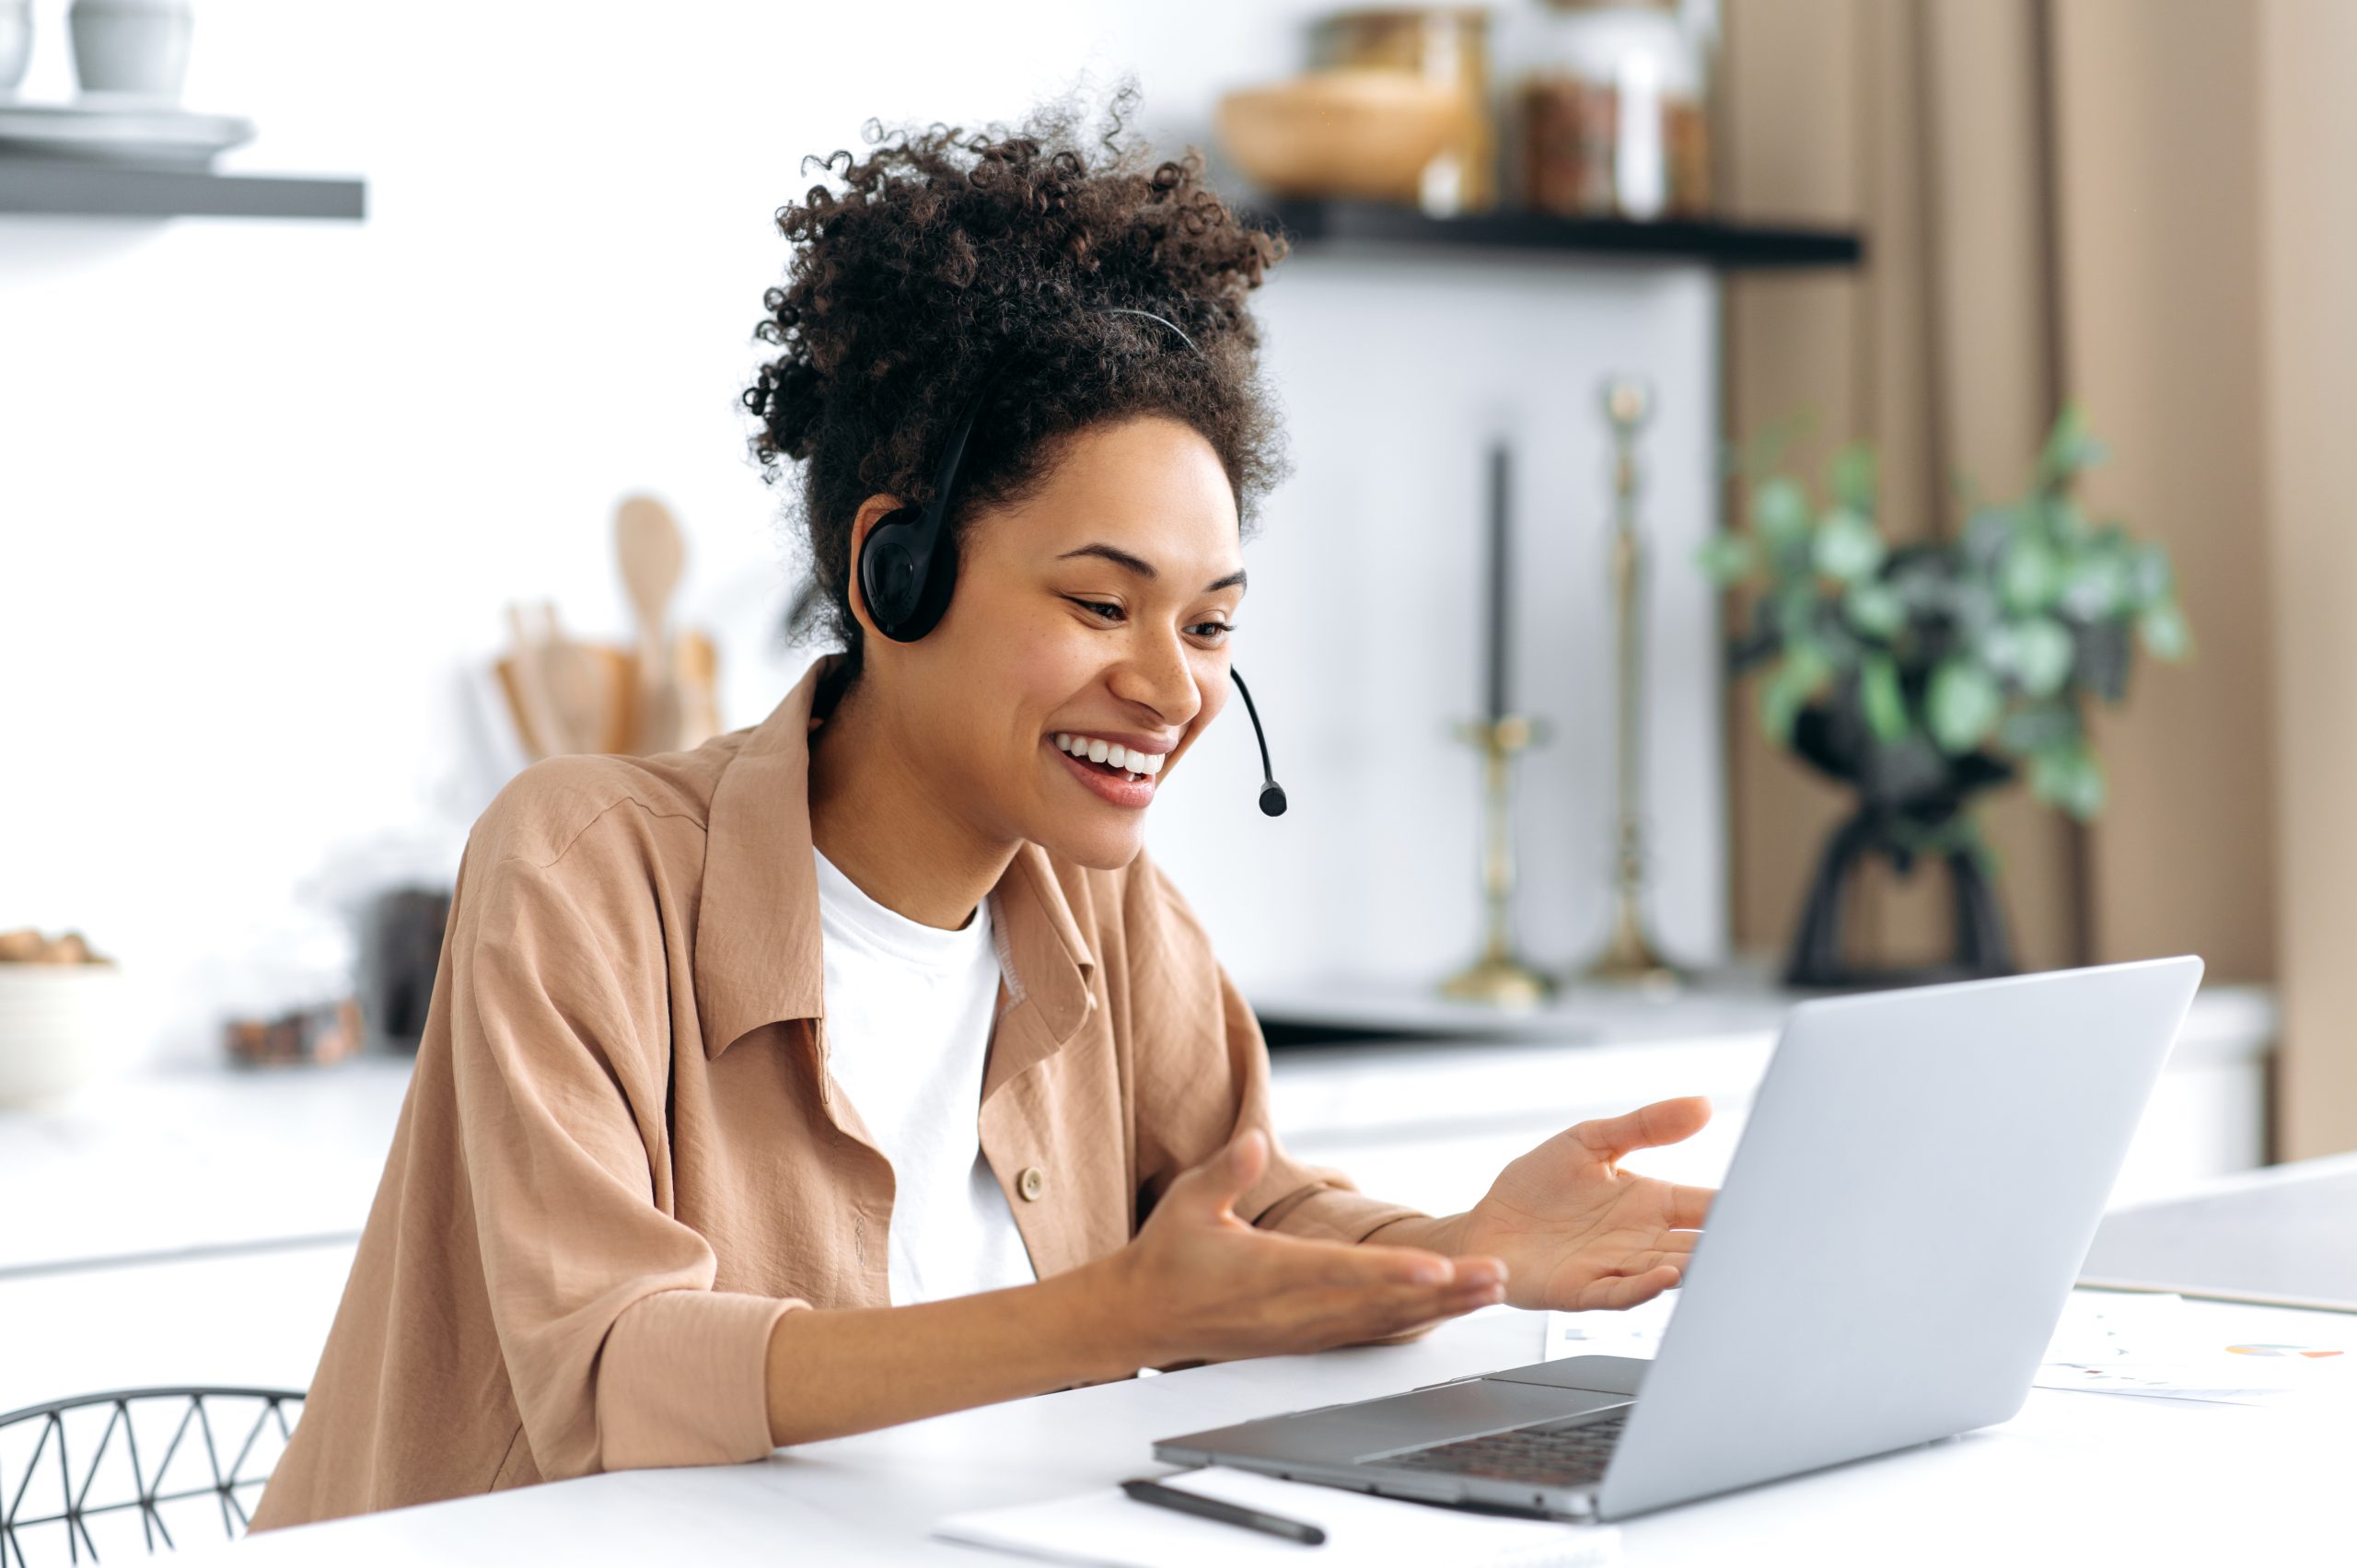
(1094, 614)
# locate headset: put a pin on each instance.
(908, 564)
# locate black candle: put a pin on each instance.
(1499, 570)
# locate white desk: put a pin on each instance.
(2075, 1478)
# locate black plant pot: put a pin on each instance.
(1910, 797)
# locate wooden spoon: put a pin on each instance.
(576, 679)
(647, 538)
(529, 690)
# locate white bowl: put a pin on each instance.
(59, 1023)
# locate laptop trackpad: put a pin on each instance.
(1605, 1373)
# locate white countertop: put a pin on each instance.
(196, 1160)
(1606, 1047)
(203, 1160)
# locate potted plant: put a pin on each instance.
(1925, 675)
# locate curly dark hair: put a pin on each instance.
(949, 252)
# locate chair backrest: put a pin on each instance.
(152, 1455)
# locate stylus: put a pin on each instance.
(1203, 1507)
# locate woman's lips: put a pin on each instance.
(1110, 786)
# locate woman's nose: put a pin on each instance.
(1159, 675)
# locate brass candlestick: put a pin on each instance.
(1499, 976)
(1629, 953)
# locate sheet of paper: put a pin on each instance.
(1636, 1331)
(1107, 1528)
(2107, 1342)
(2149, 1346)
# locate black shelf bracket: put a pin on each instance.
(1335, 225)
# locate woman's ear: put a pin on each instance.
(873, 510)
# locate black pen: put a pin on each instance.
(1203, 1507)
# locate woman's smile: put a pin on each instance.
(1117, 771)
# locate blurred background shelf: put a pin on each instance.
(1337, 223)
(83, 188)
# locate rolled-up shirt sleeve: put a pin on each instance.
(1204, 1078)
(620, 1352)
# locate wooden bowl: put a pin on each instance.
(1350, 131)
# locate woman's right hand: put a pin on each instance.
(1199, 1283)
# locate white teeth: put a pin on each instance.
(1137, 764)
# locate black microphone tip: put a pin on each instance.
(1272, 799)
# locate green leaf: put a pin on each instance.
(1847, 548)
(1851, 476)
(2067, 521)
(1797, 679)
(2069, 776)
(1780, 511)
(1988, 533)
(2069, 448)
(2164, 632)
(2093, 587)
(2042, 653)
(2033, 729)
(1875, 608)
(1797, 608)
(1962, 706)
(2151, 578)
(1879, 695)
(1727, 558)
(1779, 709)
(2030, 576)
(1972, 605)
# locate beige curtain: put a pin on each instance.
(2060, 198)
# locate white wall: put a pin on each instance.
(265, 487)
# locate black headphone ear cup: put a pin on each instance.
(888, 573)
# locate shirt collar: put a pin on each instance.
(757, 955)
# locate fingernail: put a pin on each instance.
(1431, 1273)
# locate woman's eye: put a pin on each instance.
(1212, 628)
(1113, 611)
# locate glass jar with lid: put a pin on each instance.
(1609, 113)
(1448, 45)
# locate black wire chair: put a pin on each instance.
(48, 1477)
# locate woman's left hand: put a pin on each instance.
(1575, 1231)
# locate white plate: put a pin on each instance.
(118, 128)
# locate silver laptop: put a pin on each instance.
(1885, 1264)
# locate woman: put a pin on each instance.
(858, 1066)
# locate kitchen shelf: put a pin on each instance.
(83, 188)
(1341, 224)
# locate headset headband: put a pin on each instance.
(908, 572)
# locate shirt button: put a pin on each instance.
(1031, 1183)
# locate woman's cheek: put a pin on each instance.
(1054, 664)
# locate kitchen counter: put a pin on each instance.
(204, 1160)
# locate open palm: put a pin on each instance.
(1575, 1231)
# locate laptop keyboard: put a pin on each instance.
(1540, 1456)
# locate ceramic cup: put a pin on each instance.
(137, 47)
(60, 1024)
(15, 41)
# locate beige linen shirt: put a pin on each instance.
(621, 1158)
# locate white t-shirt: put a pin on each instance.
(908, 1029)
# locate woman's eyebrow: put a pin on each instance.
(1129, 563)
